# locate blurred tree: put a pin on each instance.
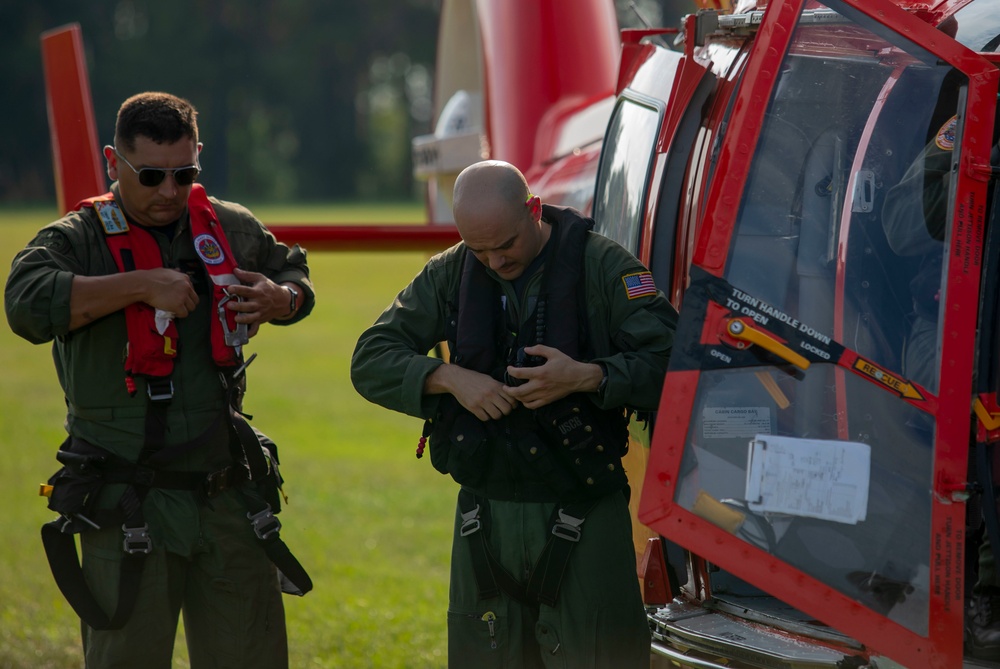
(276, 83)
(298, 100)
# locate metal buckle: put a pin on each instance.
(567, 527)
(162, 392)
(265, 525)
(239, 336)
(217, 482)
(470, 523)
(137, 540)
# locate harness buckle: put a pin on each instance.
(219, 481)
(137, 540)
(160, 389)
(237, 336)
(470, 522)
(567, 527)
(265, 525)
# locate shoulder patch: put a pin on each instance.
(51, 239)
(111, 216)
(945, 139)
(639, 284)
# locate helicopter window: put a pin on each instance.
(977, 26)
(813, 249)
(623, 175)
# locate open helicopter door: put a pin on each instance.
(813, 434)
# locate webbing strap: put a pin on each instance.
(60, 548)
(566, 530)
(491, 577)
(266, 527)
(265, 524)
(546, 576)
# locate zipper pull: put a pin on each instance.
(490, 617)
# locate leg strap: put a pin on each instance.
(491, 577)
(265, 525)
(566, 529)
(60, 549)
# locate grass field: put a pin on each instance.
(369, 522)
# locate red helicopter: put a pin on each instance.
(811, 184)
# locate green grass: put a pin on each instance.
(369, 522)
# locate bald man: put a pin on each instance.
(556, 335)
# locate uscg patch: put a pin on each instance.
(111, 216)
(945, 139)
(208, 249)
(639, 284)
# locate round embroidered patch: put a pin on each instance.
(208, 249)
(945, 139)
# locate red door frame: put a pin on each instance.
(943, 645)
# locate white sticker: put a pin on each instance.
(814, 478)
(728, 422)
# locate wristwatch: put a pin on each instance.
(293, 299)
(604, 380)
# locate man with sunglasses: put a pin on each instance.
(149, 293)
(556, 335)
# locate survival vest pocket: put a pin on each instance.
(76, 486)
(465, 455)
(589, 441)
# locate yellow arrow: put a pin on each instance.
(891, 381)
(990, 421)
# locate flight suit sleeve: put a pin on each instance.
(640, 330)
(391, 361)
(37, 292)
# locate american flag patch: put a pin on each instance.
(639, 284)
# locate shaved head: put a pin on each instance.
(491, 183)
(497, 217)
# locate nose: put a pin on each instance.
(168, 187)
(497, 260)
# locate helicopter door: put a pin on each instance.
(814, 427)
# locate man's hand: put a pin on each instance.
(559, 376)
(169, 290)
(93, 297)
(481, 394)
(263, 300)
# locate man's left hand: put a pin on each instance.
(554, 379)
(263, 300)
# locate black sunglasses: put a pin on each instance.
(154, 176)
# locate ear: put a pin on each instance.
(112, 158)
(535, 208)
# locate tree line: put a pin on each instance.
(298, 100)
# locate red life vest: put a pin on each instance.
(150, 351)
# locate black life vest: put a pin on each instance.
(569, 449)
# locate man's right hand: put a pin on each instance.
(170, 290)
(93, 297)
(481, 394)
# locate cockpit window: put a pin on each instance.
(623, 174)
(977, 26)
(837, 244)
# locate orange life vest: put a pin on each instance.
(152, 346)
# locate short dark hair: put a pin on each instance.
(162, 117)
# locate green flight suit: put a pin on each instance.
(205, 559)
(599, 619)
